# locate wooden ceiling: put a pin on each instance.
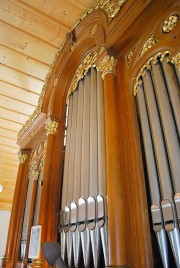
(30, 33)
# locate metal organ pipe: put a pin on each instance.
(158, 105)
(84, 183)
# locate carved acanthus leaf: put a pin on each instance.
(51, 127)
(22, 158)
(107, 65)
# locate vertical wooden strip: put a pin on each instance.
(115, 187)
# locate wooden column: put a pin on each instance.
(16, 213)
(115, 188)
(43, 218)
(35, 175)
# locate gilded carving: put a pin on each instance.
(130, 55)
(51, 127)
(111, 7)
(42, 160)
(94, 29)
(22, 158)
(82, 70)
(176, 60)
(35, 175)
(170, 24)
(147, 66)
(107, 65)
(37, 263)
(150, 42)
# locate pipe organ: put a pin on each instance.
(83, 218)
(158, 105)
(99, 169)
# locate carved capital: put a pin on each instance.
(37, 263)
(107, 65)
(22, 158)
(170, 24)
(51, 127)
(35, 175)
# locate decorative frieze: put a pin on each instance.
(22, 158)
(170, 24)
(107, 65)
(51, 127)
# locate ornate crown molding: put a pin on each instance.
(111, 7)
(164, 55)
(51, 127)
(107, 65)
(170, 24)
(22, 158)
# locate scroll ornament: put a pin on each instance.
(51, 127)
(150, 43)
(170, 24)
(22, 158)
(107, 65)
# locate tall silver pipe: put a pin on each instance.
(85, 171)
(102, 176)
(65, 213)
(71, 181)
(77, 175)
(156, 212)
(93, 182)
(168, 208)
(173, 91)
(173, 151)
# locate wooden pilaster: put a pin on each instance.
(43, 217)
(115, 188)
(16, 213)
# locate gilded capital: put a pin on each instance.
(35, 175)
(107, 65)
(51, 127)
(22, 158)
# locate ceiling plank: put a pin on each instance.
(8, 133)
(6, 161)
(8, 149)
(23, 63)
(63, 11)
(8, 124)
(17, 106)
(9, 156)
(33, 22)
(20, 79)
(6, 206)
(8, 142)
(14, 116)
(8, 174)
(18, 93)
(26, 44)
(9, 167)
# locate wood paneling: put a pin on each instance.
(23, 63)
